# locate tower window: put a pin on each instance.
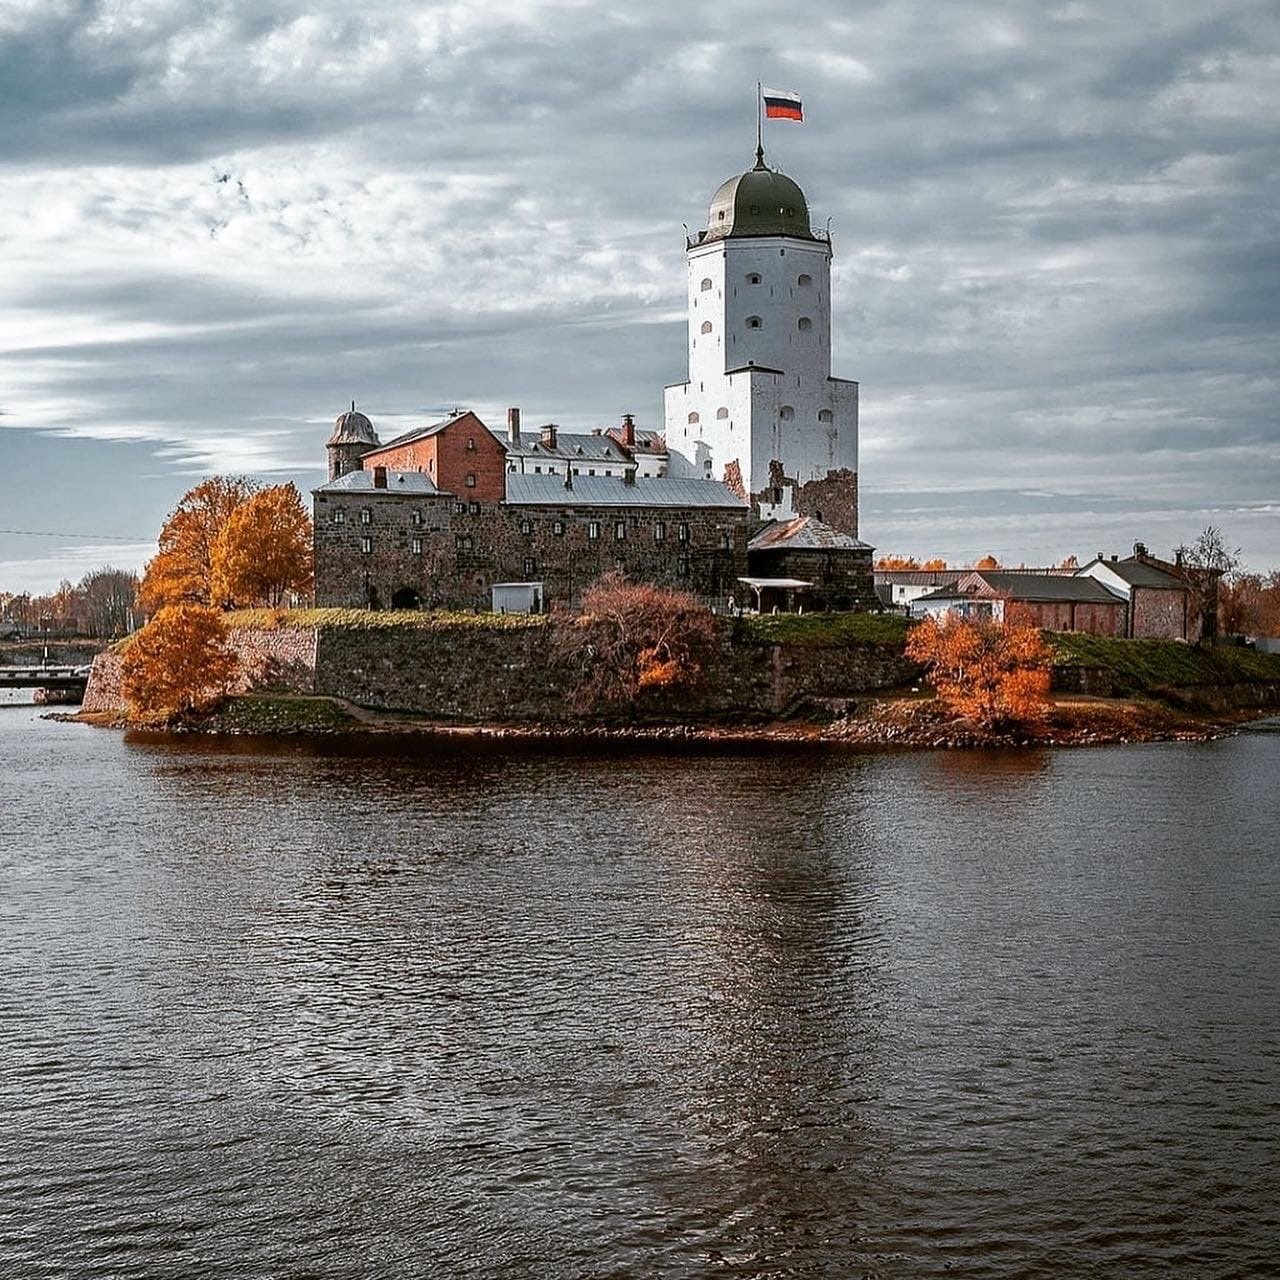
(787, 412)
(722, 412)
(706, 283)
(754, 322)
(753, 278)
(471, 444)
(805, 324)
(366, 546)
(416, 518)
(824, 415)
(804, 281)
(693, 417)
(706, 326)
(417, 546)
(366, 516)
(339, 516)
(471, 479)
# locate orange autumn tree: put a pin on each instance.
(182, 570)
(987, 562)
(934, 566)
(897, 562)
(178, 664)
(987, 672)
(631, 637)
(263, 551)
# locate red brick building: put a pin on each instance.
(459, 455)
(1164, 601)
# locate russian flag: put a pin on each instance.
(781, 105)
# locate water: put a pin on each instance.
(346, 1010)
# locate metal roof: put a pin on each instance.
(805, 533)
(918, 577)
(571, 446)
(612, 491)
(1025, 586)
(1137, 573)
(790, 584)
(415, 483)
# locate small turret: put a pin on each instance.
(353, 436)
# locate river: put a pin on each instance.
(401, 1008)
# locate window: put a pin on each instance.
(593, 529)
(787, 412)
(416, 546)
(706, 326)
(804, 324)
(726, 542)
(722, 412)
(538, 470)
(754, 322)
(366, 516)
(753, 278)
(459, 508)
(530, 567)
(471, 479)
(471, 444)
(804, 281)
(824, 415)
(659, 532)
(416, 518)
(464, 542)
(683, 533)
(693, 417)
(526, 527)
(339, 516)
(682, 566)
(706, 280)
(620, 531)
(558, 528)
(474, 508)
(366, 546)
(590, 471)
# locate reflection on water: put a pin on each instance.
(389, 1007)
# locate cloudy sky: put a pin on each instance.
(1055, 225)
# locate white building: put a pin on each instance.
(761, 411)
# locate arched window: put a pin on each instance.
(722, 412)
(754, 322)
(706, 326)
(805, 324)
(804, 281)
(706, 283)
(693, 417)
(753, 278)
(824, 415)
(787, 413)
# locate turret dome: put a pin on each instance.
(760, 202)
(353, 427)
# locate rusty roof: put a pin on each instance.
(805, 533)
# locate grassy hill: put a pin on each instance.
(1147, 666)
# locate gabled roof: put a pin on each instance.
(570, 446)
(423, 433)
(918, 577)
(399, 483)
(1138, 573)
(1010, 584)
(804, 533)
(612, 491)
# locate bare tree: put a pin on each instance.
(109, 597)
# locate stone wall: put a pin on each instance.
(278, 660)
(1162, 615)
(477, 674)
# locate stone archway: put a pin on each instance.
(406, 598)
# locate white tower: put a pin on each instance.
(761, 410)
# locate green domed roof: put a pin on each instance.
(760, 202)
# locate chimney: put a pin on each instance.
(568, 476)
(379, 477)
(1100, 556)
(549, 435)
(1139, 549)
(513, 426)
(1115, 559)
(629, 430)
(1178, 558)
(629, 476)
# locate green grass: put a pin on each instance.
(885, 629)
(262, 713)
(1142, 666)
(383, 619)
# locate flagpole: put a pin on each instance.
(759, 126)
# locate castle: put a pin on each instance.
(748, 495)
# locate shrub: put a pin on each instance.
(987, 672)
(630, 638)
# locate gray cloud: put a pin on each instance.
(1055, 231)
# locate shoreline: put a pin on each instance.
(908, 723)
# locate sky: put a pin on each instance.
(1056, 273)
